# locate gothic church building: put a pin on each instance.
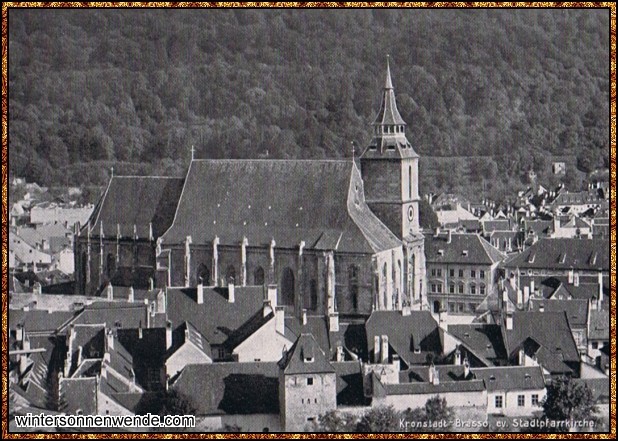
(335, 236)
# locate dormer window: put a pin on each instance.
(308, 359)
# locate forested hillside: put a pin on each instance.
(135, 89)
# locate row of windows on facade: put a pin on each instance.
(521, 400)
(389, 129)
(437, 272)
(437, 289)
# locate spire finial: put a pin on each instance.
(112, 171)
(192, 152)
(353, 150)
(389, 83)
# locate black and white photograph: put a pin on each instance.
(308, 220)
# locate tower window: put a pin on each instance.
(310, 381)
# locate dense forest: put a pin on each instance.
(487, 94)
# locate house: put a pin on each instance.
(577, 312)
(482, 344)
(540, 338)
(598, 336)
(513, 390)
(461, 271)
(185, 345)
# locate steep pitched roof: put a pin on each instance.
(216, 319)
(511, 378)
(231, 388)
(557, 351)
(576, 310)
(39, 321)
(80, 394)
(599, 325)
(564, 254)
(483, 340)
(139, 201)
(187, 333)
(332, 215)
(297, 359)
(112, 314)
(419, 331)
(464, 249)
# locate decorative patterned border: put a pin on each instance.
(4, 308)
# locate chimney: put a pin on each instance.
(304, 316)
(466, 365)
(384, 352)
(280, 319)
(450, 234)
(526, 294)
(600, 289)
(266, 308)
(200, 293)
(333, 322)
(519, 299)
(576, 279)
(340, 353)
(110, 339)
(110, 291)
(570, 277)
(442, 317)
(140, 331)
(434, 377)
(151, 284)
(541, 307)
(168, 335)
(457, 356)
(186, 333)
(104, 369)
(131, 294)
(272, 295)
(19, 332)
(37, 289)
(521, 357)
(532, 287)
(376, 349)
(437, 231)
(45, 244)
(509, 321)
(23, 358)
(406, 310)
(230, 291)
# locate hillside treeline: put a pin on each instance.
(137, 88)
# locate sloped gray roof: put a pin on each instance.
(317, 201)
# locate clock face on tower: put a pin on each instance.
(410, 213)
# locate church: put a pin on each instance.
(337, 237)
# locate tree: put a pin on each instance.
(436, 409)
(568, 399)
(335, 421)
(427, 217)
(379, 419)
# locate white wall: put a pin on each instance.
(509, 402)
(454, 399)
(266, 344)
(186, 354)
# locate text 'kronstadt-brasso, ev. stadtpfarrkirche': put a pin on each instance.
(270, 293)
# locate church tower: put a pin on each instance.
(389, 167)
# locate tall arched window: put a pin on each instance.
(287, 287)
(385, 285)
(230, 274)
(313, 294)
(111, 265)
(203, 275)
(258, 276)
(353, 272)
(410, 182)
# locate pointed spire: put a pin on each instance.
(389, 83)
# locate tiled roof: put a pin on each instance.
(497, 225)
(564, 254)
(557, 352)
(297, 359)
(186, 332)
(429, 388)
(38, 321)
(576, 310)
(464, 249)
(448, 372)
(511, 378)
(79, 394)
(216, 319)
(541, 228)
(484, 341)
(350, 390)
(405, 333)
(231, 388)
(139, 201)
(332, 215)
(599, 325)
(112, 315)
